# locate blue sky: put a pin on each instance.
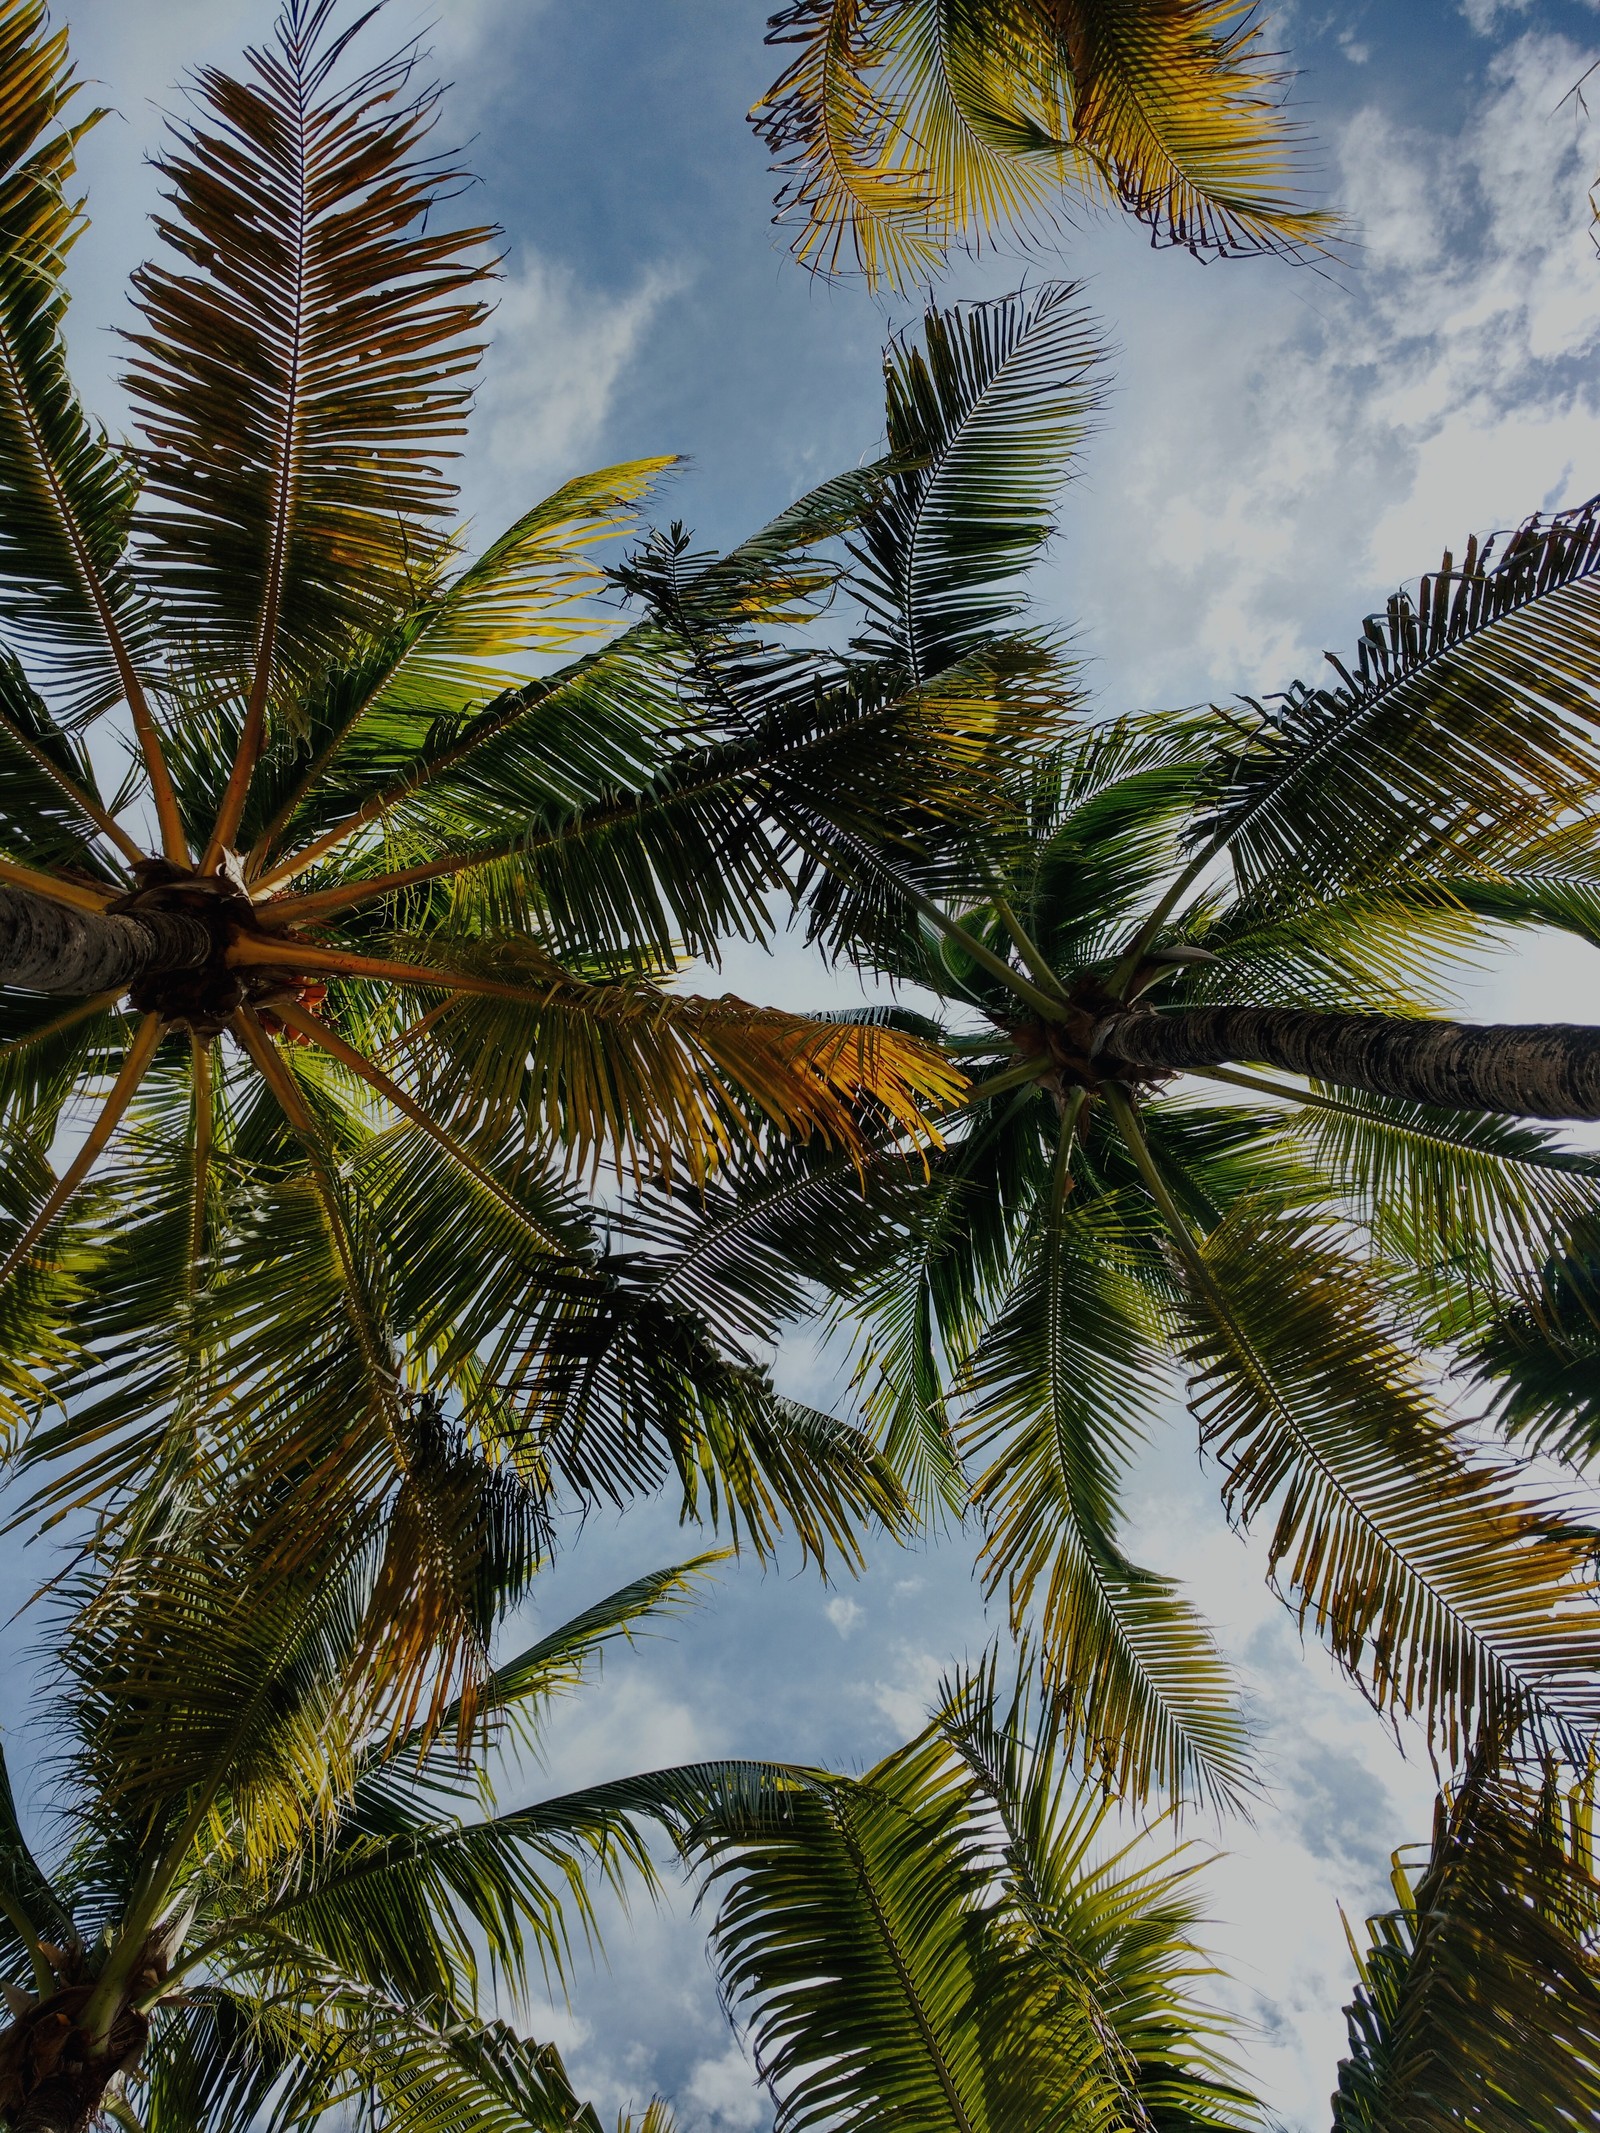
(1280, 448)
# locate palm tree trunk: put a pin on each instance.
(1528, 1070)
(49, 947)
(52, 2080)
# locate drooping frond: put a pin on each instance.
(1437, 1586)
(1467, 719)
(1063, 1383)
(65, 595)
(304, 360)
(903, 127)
(935, 1946)
(1539, 1353)
(1478, 2003)
(984, 418)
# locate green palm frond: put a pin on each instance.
(1063, 1384)
(984, 418)
(1539, 1353)
(934, 1945)
(1472, 1202)
(386, 2067)
(1467, 713)
(304, 366)
(903, 127)
(1440, 1588)
(66, 495)
(1478, 2004)
(461, 647)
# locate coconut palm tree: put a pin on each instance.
(312, 1030)
(266, 1899)
(958, 1941)
(903, 127)
(1284, 887)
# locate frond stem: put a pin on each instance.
(335, 1046)
(1126, 1115)
(174, 842)
(102, 818)
(78, 894)
(79, 1011)
(1133, 955)
(134, 1068)
(44, 1977)
(200, 1052)
(248, 753)
(1031, 955)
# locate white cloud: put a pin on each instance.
(559, 353)
(1487, 15)
(1284, 446)
(728, 2089)
(844, 1614)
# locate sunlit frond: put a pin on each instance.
(936, 1944)
(1466, 718)
(904, 127)
(1478, 2002)
(1447, 1593)
(1063, 1382)
(304, 358)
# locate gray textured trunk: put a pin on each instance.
(1529, 1070)
(48, 947)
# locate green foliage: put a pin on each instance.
(1479, 2002)
(305, 1896)
(903, 127)
(947, 1943)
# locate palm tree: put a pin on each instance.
(949, 1944)
(1205, 893)
(946, 1943)
(333, 1006)
(269, 1900)
(903, 127)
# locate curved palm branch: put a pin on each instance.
(269, 1890)
(937, 1944)
(404, 954)
(903, 127)
(1492, 1939)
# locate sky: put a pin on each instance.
(1280, 448)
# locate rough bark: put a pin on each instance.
(51, 2079)
(1527, 1070)
(49, 947)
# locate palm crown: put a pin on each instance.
(267, 1900)
(384, 986)
(1290, 883)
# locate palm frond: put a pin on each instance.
(1470, 1201)
(1063, 1382)
(1539, 1353)
(468, 642)
(1468, 713)
(1478, 2002)
(304, 359)
(934, 1945)
(66, 596)
(903, 127)
(1438, 1587)
(984, 419)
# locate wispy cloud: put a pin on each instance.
(560, 353)
(1279, 455)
